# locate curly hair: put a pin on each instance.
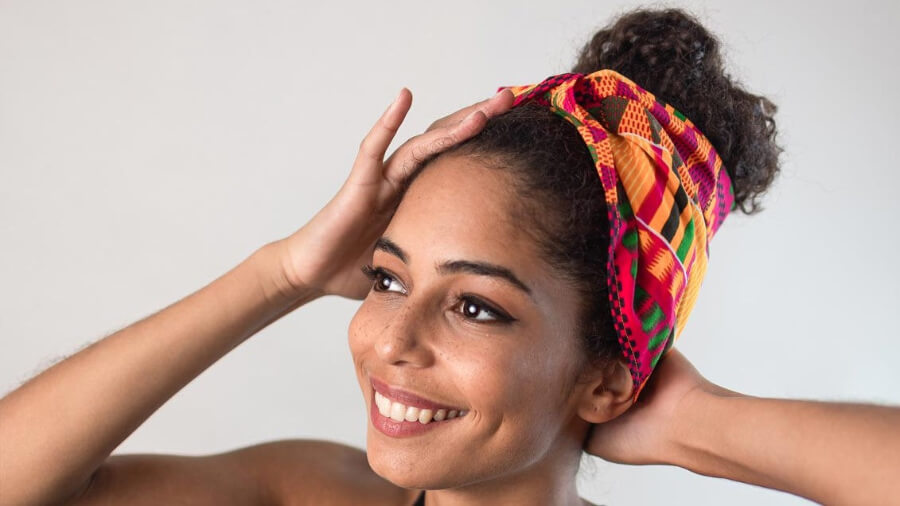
(670, 54)
(558, 194)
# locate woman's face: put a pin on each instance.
(465, 315)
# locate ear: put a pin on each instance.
(607, 394)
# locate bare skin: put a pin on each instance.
(828, 452)
(508, 362)
(57, 431)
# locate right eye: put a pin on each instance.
(382, 281)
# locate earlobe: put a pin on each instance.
(608, 395)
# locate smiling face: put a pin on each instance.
(465, 315)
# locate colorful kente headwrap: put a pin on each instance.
(667, 193)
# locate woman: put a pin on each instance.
(484, 348)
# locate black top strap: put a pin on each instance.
(421, 500)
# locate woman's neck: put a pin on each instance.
(550, 481)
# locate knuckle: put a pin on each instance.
(388, 125)
(442, 143)
(365, 145)
(407, 168)
(416, 155)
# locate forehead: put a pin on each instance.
(459, 208)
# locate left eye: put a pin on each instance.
(471, 308)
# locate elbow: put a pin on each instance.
(13, 495)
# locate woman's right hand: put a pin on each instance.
(324, 256)
(55, 451)
(641, 434)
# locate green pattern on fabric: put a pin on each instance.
(625, 208)
(630, 239)
(652, 319)
(640, 296)
(659, 338)
(686, 242)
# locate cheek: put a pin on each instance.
(516, 396)
(361, 332)
(536, 406)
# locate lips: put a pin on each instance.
(398, 413)
(408, 398)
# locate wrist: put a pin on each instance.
(700, 428)
(273, 272)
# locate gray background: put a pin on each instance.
(148, 147)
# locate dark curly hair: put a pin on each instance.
(670, 54)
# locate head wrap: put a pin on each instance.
(667, 193)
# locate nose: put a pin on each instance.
(402, 341)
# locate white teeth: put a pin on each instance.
(400, 412)
(384, 405)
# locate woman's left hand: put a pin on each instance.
(828, 452)
(647, 432)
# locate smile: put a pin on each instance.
(399, 412)
(409, 415)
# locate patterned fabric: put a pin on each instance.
(667, 193)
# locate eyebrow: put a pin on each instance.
(455, 266)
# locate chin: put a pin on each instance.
(398, 473)
(406, 471)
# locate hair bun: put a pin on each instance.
(671, 54)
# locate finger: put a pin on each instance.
(428, 144)
(375, 143)
(471, 125)
(417, 150)
(498, 104)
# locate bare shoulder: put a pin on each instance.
(298, 472)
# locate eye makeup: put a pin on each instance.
(470, 306)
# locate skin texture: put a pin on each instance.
(58, 429)
(522, 438)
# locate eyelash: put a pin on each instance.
(376, 274)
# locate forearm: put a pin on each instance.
(56, 429)
(833, 453)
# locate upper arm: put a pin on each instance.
(145, 479)
(290, 472)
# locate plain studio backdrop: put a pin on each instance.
(148, 147)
